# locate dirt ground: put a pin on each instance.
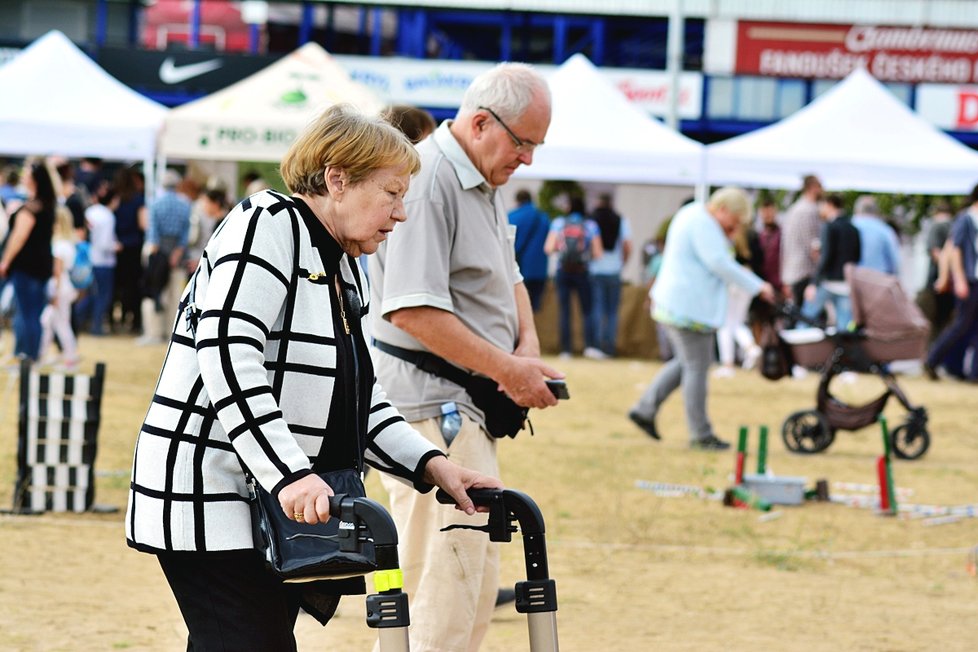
(634, 570)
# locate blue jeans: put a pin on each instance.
(606, 295)
(30, 297)
(580, 284)
(840, 302)
(94, 305)
(960, 331)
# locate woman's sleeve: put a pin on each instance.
(393, 446)
(247, 288)
(714, 250)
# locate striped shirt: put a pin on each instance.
(799, 231)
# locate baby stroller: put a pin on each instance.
(890, 327)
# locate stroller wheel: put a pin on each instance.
(806, 432)
(910, 441)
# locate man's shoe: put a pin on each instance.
(930, 372)
(592, 353)
(648, 425)
(505, 596)
(710, 443)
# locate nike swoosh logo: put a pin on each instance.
(170, 73)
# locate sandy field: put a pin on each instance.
(634, 570)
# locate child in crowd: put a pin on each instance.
(56, 317)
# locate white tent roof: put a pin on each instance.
(856, 135)
(56, 100)
(597, 135)
(257, 118)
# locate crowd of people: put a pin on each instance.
(589, 249)
(788, 270)
(954, 271)
(83, 253)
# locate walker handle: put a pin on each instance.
(505, 507)
(479, 497)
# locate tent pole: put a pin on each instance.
(702, 187)
(149, 180)
(674, 61)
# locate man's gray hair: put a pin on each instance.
(171, 179)
(866, 205)
(507, 88)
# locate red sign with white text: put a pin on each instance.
(949, 107)
(825, 51)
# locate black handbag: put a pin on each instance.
(776, 358)
(504, 418)
(299, 552)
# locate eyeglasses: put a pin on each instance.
(521, 144)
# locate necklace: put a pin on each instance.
(339, 298)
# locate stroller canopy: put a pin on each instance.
(882, 308)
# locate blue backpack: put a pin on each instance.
(81, 273)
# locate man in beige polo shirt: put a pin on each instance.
(446, 283)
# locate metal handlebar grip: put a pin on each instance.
(480, 497)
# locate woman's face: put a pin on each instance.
(369, 210)
(729, 221)
(212, 209)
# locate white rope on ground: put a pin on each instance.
(869, 488)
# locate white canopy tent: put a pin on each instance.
(856, 135)
(257, 118)
(56, 100)
(596, 134)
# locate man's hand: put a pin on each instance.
(960, 287)
(456, 479)
(810, 293)
(524, 381)
(767, 293)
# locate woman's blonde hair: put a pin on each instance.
(741, 243)
(343, 137)
(64, 225)
(732, 199)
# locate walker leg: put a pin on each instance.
(543, 631)
(394, 639)
(387, 609)
(387, 612)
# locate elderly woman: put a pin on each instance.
(690, 298)
(276, 378)
(27, 259)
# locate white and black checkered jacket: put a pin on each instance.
(253, 388)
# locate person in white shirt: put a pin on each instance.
(94, 306)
